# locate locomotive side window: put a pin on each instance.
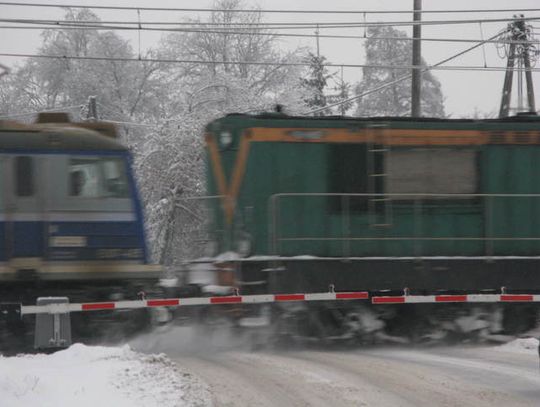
(24, 176)
(97, 177)
(431, 171)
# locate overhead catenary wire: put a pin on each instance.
(264, 63)
(402, 78)
(338, 25)
(258, 33)
(130, 123)
(330, 36)
(300, 24)
(274, 11)
(291, 25)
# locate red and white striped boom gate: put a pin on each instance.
(472, 298)
(179, 302)
(271, 298)
(54, 330)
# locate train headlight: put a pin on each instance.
(243, 244)
(225, 139)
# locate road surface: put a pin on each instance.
(370, 377)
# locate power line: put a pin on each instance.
(335, 36)
(130, 123)
(100, 25)
(262, 63)
(196, 23)
(240, 25)
(246, 25)
(288, 26)
(276, 11)
(330, 36)
(402, 78)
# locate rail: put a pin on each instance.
(415, 202)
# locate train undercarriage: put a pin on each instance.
(362, 322)
(352, 323)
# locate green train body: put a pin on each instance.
(428, 204)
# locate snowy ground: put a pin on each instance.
(92, 376)
(458, 376)
(408, 376)
(523, 345)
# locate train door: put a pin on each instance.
(24, 225)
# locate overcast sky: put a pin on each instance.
(464, 91)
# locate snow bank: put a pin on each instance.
(92, 376)
(522, 345)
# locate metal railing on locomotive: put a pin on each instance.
(418, 201)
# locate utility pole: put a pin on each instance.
(92, 109)
(416, 87)
(317, 35)
(520, 47)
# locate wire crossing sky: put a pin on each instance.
(279, 11)
(472, 83)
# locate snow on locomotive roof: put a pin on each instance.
(55, 136)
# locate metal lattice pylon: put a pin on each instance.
(521, 49)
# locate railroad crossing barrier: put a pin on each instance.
(58, 308)
(478, 298)
(53, 329)
(53, 326)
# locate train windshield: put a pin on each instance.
(98, 177)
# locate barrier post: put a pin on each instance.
(53, 330)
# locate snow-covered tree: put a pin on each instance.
(197, 94)
(227, 81)
(124, 89)
(383, 49)
(342, 91)
(316, 82)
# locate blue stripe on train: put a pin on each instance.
(21, 239)
(104, 254)
(3, 254)
(27, 239)
(104, 240)
(94, 229)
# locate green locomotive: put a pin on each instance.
(376, 204)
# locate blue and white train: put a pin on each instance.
(70, 216)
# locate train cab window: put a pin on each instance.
(97, 177)
(24, 176)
